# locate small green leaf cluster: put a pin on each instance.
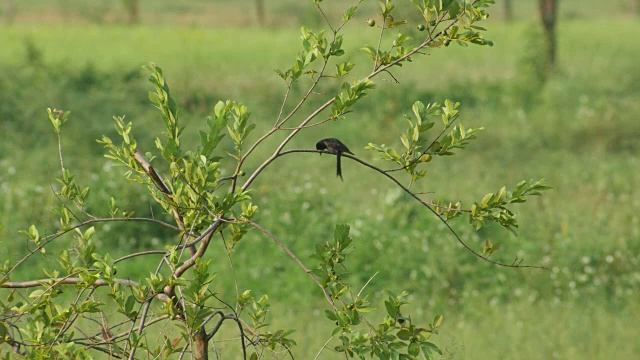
(419, 149)
(58, 118)
(343, 68)
(114, 210)
(239, 229)
(493, 208)
(241, 127)
(399, 330)
(386, 12)
(464, 13)
(444, 22)
(71, 190)
(349, 95)
(163, 101)
(398, 50)
(258, 311)
(196, 293)
(85, 247)
(395, 337)
(33, 234)
(124, 154)
(315, 45)
(331, 256)
(349, 13)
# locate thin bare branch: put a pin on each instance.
(428, 206)
(295, 258)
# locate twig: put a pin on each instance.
(296, 259)
(428, 206)
(142, 253)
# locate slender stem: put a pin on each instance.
(424, 203)
(295, 258)
(142, 253)
(375, 62)
(205, 238)
(60, 153)
(327, 104)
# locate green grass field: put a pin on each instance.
(579, 130)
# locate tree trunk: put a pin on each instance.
(133, 11)
(508, 10)
(9, 12)
(200, 345)
(548, 14)
(260, 12)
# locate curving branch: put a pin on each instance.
(205, 237)
(430, 206)
(295, 258)
(303, 124)
(160, 184)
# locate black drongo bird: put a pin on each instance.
(334, 146)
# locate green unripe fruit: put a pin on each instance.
(432, 23)
(421, 27)
(371, 23)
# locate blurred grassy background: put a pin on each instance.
(579, 129)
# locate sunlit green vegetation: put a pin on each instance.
(579, 129)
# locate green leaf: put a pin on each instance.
(341, 233)
(370, 50)
(36, 294)
(502, 193)
(128, 306)
(486, 199)
(437, 321)
(392, 310)
(401, 39)
(427, 347)
(413, 349)
(348, 14)
(404, 334)
(419, 111)
(89, 233)
(330, 315)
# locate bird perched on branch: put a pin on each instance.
(334, 146)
